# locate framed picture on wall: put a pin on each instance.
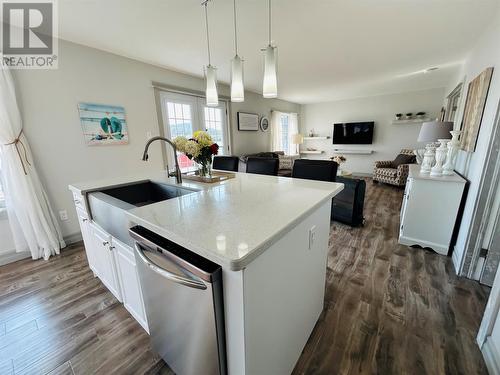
(248, 121)
(474, 108)
(264, 124)
(103, 124)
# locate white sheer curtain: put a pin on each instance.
(293, 128)
(284, 125)
(276, 137)
(32, 221)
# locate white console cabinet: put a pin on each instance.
(429, 210)
(113, 262)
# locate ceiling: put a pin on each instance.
(327, 50)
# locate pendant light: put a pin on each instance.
(237, 88)
(210, 71)
(270, 84)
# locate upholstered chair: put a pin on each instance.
(394, 172)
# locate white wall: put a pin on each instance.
(48, 101)
(486, 53)
(388, 139)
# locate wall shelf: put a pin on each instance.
(341, 151)
(315, 138)
(317, 152)
(412, 121)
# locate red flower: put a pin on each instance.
(214, 149)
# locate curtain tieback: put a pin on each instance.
(18, 143)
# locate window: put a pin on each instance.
(180, 124)
(184, 114)
(215, 126)
(285, 136)
(283, 127)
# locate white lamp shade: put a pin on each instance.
(211, 90)
(237, 88)
(434, 130)
(270, 85)
(297, 139)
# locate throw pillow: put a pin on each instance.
(285, 162)
(403, 159)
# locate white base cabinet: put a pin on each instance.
(113, 262)
(83, 219)
(429, 210)
(105, 260)
(129, 282)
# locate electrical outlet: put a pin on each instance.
(63, 215)
(312, 236)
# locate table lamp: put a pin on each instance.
(297, 139)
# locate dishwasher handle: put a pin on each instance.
(166, 274)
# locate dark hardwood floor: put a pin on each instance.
(389, 309)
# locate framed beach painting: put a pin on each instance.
(103, 124)
(474, 108)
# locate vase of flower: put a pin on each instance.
(205, 169)
(200, 148)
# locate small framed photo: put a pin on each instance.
(248, 121)
(264, 124)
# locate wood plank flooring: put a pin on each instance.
(389, 309)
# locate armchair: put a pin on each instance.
(394, 172)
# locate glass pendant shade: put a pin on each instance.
(270, 85)
(237, 89)
(211, 90)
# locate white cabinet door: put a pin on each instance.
(129, 282)
(87, 238)
(105, 260)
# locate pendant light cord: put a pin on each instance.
(235, 31)
(269, 22)
(208, 38)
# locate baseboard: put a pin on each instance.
(491, 358)
(11, 256)
(73, 238)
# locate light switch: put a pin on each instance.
(312, 236)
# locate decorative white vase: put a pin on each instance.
(428, 160)
(451, 156)
(419, 155)
(441, 151)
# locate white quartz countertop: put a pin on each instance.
(231, 222)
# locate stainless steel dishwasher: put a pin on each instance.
(184, 304)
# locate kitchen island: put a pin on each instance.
(270, 237)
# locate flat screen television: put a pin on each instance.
(352, 133)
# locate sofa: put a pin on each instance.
(285, 161)
(394, 172)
